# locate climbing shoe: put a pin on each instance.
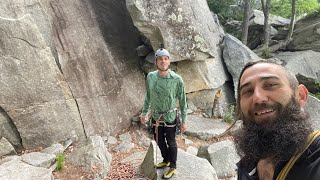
(163, 164)
(169, 173)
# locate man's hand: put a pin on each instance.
(183, 127)
(143, 119)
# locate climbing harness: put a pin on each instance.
(162, 123)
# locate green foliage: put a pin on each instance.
(266, 54)
(314, 15)
(227, 10)
(224, 11)
(317, 95)
(283, 7)
(229, 115)
(218, 6)
(60, 161)
(278, 7)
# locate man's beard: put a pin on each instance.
(278, 139)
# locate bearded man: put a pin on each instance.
(276, 140)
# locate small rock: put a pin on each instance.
(124, 147)
(187, 142)
(112, 140)
(126, 137)
(192, 150)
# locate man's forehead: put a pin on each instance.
(261, 70)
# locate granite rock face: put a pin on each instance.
(66, 72)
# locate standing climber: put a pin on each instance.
(164, 87)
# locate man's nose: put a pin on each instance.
(259, 95)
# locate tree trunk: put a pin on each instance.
(266, 28)
(284, 43)
(245, 21)
(293, 18)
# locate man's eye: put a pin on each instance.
(245, 92)
(271, 84)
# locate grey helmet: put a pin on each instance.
(161, 52)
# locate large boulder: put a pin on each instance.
(34, 92)
(256, 32)
(67, 69)
(96, 60)
(306, 35)
(187, 28)
(236, 55)
(304, 64)
(202, 75)
(275, 21)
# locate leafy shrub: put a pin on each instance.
(266, 54)
(229, 115)
(60, 161)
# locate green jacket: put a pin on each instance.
(162, 94)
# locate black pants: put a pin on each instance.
(167, 144)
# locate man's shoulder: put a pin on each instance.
(308, 164)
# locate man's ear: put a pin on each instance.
(302, 95)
